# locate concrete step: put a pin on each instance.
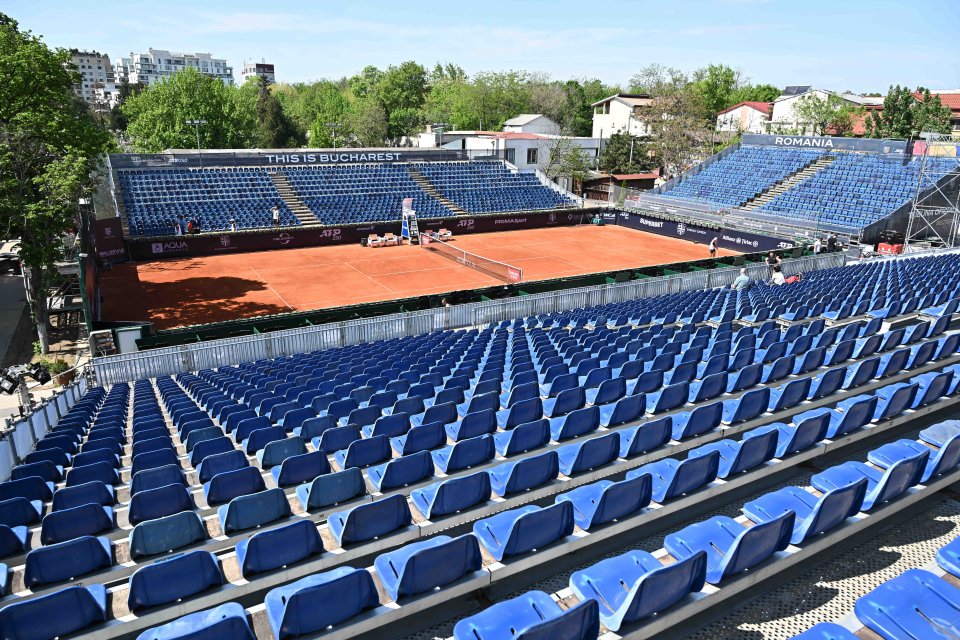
(289, 196)
(789, 182)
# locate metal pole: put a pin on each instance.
(196, 129)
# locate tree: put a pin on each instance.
(49, 148)
(368, 122)
(929, 114)
(402, 90)
(157, 117)
(754, 93)
(832, 114)
(680, 133)
(624, 153)
(715, 85)
(274, 129)
(565, 158)
(896, 119)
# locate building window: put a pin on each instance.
(532, 156)
(511, 156)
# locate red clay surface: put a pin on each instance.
(173, 293)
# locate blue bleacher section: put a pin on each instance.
(855, 190)
(506, 410)
(155, 199)
(486, 187)
(742, 175)
(351, 194)
(337, 194)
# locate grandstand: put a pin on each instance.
(332, 194)
(846, 185)
(402, 485)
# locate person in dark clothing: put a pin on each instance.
(832, 243)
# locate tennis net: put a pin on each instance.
(499, 270)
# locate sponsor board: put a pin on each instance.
(170, 247)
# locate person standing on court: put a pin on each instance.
(275, 212)
(713, 247)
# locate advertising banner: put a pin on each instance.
(108, 243)
(826, 142)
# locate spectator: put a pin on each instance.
(190, 227)
(233, 224)
(778, 278)
(817, 246)
(177, 228)
(742, 281)
(832, 243)
(713, 247)
(275, 213)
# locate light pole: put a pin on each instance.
(333, 125)
(440, 127)
(196, 127)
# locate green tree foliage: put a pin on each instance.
(50, 145)
(275, 130)
(157, 117)
(753, 93)
(906, 116)
(565, 157)
(831, 115)
(715, 85)
(402, 91)
(624, 153)
(367, 122)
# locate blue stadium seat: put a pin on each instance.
(159, 502)
(740, 456)
(604, 501)
(364, 452)
(524, 474)
(522, 438)
(636, 585)
(279, 547)
(424, 438)
(276, 451)
(426, 565)
(314, 603)
(331, 488)
(915, 604)
(589, 454)
(452, 495)
(67, 524)
(301, 468)
(166, 534)
(532, 616)
(58, 614)
(173, 578)
(521, 530)
(730, 547)
(226, 621)
(464, 454)
(645, 437)
(882, 486)
(686, 424)
(671, 478)
(402, 471)
(16, 512)
(813, 515)
(226, 486)
(370, 520)
(253, 510)
(220, 462)
(66, 560)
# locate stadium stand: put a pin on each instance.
(526, 409)
(336, 194)
(155, 198)
(849, 189)
(854, 191)
(742, 175)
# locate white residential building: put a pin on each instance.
(784, 118)
(156, 64)
(532, 123)
(260, 69)
(97, 86)
(745, 117)
(616, 114)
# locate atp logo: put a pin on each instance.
(332, 234)
(681, 229)
(465, 224)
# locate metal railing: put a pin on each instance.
(231, 351)
(20, 435)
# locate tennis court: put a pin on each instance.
(173, 293)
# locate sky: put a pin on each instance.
(858, 45)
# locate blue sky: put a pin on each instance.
(860, 45)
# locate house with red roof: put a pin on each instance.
(745, 117)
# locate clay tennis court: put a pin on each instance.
(173, 293)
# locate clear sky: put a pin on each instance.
(860, 45)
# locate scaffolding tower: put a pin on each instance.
(935, 212)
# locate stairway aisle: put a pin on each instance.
(293, 201)
(789, 182)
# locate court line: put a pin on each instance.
(269, 286)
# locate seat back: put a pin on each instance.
(166, 534)
(171, 579)
(332, 488)
(278, 547)
(454, 494)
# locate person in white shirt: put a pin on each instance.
(778, 277)
(233, 224)
(713, 247)
(817, 246)
(276, 215)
